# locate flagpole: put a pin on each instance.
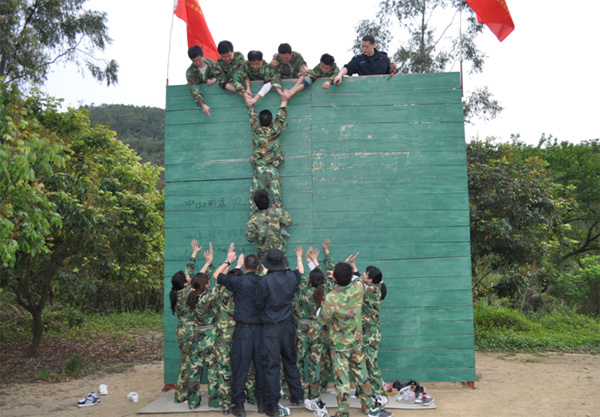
(462, 91)
(169, 53)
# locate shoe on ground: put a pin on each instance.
(381, 401)
(238, 410)
(260, 405)
(226, 412)
(427, 400)
(88, 400)
(284, 232)
(379, 412)
(295, 401)
(314, 405)
(283, 411)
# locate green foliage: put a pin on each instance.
(81, 216)
(516, 210)
(74, 365)
(36, 34)
(503, 330)
(142, 128)
(581, 290)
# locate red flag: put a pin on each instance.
(197, 30)
(495, 14)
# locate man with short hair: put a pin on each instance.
(227, 65)
(274, 297)
(287, 64)
(265, 225)
(326, 68)
(201, 71)
(266, 153)
(370, 62)
(248, 332)
(255, 69)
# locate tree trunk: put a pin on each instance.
(38, 331)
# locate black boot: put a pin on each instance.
(260, 404)
(238, 410)
(271, 410)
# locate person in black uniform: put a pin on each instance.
(274, 297)
(247, 336)
(370, 62)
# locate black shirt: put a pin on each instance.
(243, 289)
(376, 64)
(275, 293)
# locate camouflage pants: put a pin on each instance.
(346, 362)
(196, 348)
(266, 177)
(224, 375)
(325, 363)
(310, 349)
(371, 339)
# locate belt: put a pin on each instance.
(207, 327)
(307, 321)
(290, 320)
(187, 323)
(242, 324)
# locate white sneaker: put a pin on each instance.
(133, 397)
(283, 411)
(103, 389)
(381, 400)
(88, 400)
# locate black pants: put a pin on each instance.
(279, 347)
(247, 341)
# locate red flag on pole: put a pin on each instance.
(197, 30)
(495, 14)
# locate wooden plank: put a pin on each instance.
(336, 97)
(230, 201)
(448, 319)
(424, 375)
(361, 235)
(427, 342)
(436, 358)
(231, 187)
(368, 188)
(382, 114)
(356, 145)
(386, 159)
(333, 220)
(333, 131)
(423, 202)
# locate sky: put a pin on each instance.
(544, 74)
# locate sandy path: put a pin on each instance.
(551, 384)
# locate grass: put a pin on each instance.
(75, 347)
(500, 329)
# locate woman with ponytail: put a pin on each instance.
(188, 384)
(309, 334)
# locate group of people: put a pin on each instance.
(262, 323)
(263, 320)
(233, 73)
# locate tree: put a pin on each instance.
(425, 47)
(78, 208)
(34, 34)
(577, 165)
(516, 209)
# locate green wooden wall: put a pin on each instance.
(378, 166)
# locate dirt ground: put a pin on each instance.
(549, 384)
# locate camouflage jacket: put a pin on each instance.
(371, 304)
(264, 228)
(341, 312)
(206, 311)
(225, 72)
(316, 72)
(287, 71)
(266, 148)
(185, 313)
(264, 73)
(226, 308)
(305, 306)
(194, 79)
(329, 283)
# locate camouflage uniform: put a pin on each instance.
(264, 73)
(289, 70)
(266, 157)
(224, 72)
(195, 78)
(316, 72)
(342, 313)
(325, 364)
(372, 336)
(225, 329)
(264, 228)
(196, 337)
(309, 344)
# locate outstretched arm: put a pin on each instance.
(208, 258)
(300, 264)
